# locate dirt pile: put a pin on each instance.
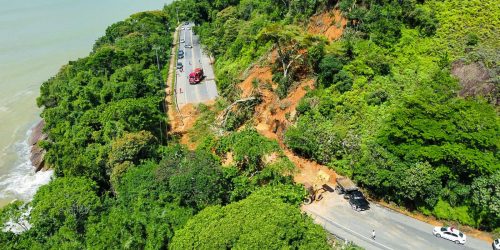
(331, 24)
(272, 117)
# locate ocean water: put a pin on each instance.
(37, 37)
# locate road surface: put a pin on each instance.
(193, 58)
(393, 230)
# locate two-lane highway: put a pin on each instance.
(194, 57)
(394, 231)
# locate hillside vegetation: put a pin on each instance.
(385, 109)
(121, 182)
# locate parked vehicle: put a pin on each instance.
(351, 192)
(496, 244)
(182, 40)
(450, 233)
(345, 185)
(358, 201)
(180, 54)
(196, 76)
(179, 65)
(315, 192)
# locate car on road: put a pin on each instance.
(358, 201)
(189, 28)
(182, 41)
(180, 54)
(351, 192)
(189, 46)
(183, 28)
(450, 233)
(179, 65)
(186, 23)
(496, 244)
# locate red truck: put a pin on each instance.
(196, 76)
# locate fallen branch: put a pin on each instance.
(225, 113)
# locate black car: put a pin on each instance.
(180, 54)
(179, 65)
(358, 201)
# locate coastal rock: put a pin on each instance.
(37, 153)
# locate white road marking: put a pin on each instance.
(347, 229)
(193, 62)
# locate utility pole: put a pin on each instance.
(177, 8)
(156, 48)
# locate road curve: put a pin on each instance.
(393, 230)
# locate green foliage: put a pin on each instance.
(480, 18)
(232, 33)
(131, 147)
(315, 55)
(196, 178)
(259, 221)
(105, 121)
(420, 183)
(443, 210)
(144, 215)
(257, 161)
(386, 110)
(99, 98)
(248, 148)
(329, 67)
(62, 208)
(322, 142)
(430, 127)
(486, 198)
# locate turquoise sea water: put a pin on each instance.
(36, 38)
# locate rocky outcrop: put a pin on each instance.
(37, 153)
(476, 80)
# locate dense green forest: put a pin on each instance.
(121, 182)
(385, 111)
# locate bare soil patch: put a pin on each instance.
(331, 24)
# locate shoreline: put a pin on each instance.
(23, 179)
(36, 152)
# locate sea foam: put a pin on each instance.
(22, 181)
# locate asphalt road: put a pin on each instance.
(194, 58)
(393, 230)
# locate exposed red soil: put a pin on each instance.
(273, 115)
(331, 24)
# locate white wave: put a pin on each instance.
(22, 181)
